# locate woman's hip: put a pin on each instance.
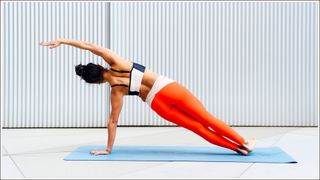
(169, 95)
(159, 84)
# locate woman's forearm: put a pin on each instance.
(112, 127)
(76, 43)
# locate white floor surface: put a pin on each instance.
(39, 153)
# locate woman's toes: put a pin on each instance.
(243, 151)
(249, 145)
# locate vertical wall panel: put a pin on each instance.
(39, 87)
(250, 63)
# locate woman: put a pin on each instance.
(166, 97)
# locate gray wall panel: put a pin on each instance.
(39, 87)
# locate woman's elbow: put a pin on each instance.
(113, 121)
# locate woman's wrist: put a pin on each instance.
(61, 40)
(108, 149)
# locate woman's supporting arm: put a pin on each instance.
(116, 105)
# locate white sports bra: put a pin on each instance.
(136, 74)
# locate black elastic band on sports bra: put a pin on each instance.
(119, 85)
(119, 71)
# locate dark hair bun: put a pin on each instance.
(80, 69)
(91, 73)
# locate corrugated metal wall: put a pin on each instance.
(250, 63)
(39, 87)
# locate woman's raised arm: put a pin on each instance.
(109, 56)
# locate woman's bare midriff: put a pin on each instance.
(148, 79)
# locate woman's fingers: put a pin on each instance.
(44, 44)
(99, 152)
(51, 44)
(47, 43)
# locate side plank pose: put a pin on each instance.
(165, 96)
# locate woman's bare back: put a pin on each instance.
(148, 79)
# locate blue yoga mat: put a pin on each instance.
(181, 153)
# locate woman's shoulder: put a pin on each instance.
(123, 65)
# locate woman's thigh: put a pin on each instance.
(192, 106)
(177, 95)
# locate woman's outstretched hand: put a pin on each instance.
(100, 152)
(51, 44)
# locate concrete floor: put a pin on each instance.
(39, 153)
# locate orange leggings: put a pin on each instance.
(179, 106)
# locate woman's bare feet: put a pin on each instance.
(242, 151)
(249, 144)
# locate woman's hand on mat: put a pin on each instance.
(100, 152)
(51, 44)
